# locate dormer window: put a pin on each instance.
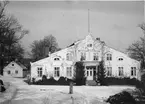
(56, 59)
(89, 45)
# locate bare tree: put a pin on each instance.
(11, 32)
(137, 49)
(41, 48)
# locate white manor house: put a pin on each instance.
(61, 63)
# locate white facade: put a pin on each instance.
(14, 69)
(92, 50)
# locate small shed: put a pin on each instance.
(15, 69)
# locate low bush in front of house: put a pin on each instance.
(122, 81)
(52, 81)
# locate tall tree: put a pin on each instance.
(11, 32)
(137, 49)
(79, 73)
(41, 48)
(101, 75)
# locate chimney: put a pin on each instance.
(98, 39)
(49, 54)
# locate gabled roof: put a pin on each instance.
(18, 63)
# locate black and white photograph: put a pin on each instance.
(72, 52)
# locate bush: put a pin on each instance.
(2, 88)
(121, 98)
(62, 81)
(45, 81)
(44, 78)
(121, 81)
(52, 81)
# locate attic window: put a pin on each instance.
(120, 59)
(56, 59)
(89, 45)
(12, 64)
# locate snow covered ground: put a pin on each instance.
(39, 94)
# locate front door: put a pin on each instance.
(91, 72)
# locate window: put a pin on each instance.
(120, 59)
(56, 71)
(89, 71)
(83, 56)
(9, 72)
(89, 45)
(69, 71)
(16, 71)
(69, 56)
(39, 70)
(109, 71)
(109, 57)
(120, 71)
(56, 59)
(95, 56)
(133, 71)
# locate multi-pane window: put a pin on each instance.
(133, 71)
(56, 71)
(121, 73)
(109, 57)
(9, 72)
(39, 71)
(95, 56)
(69, 56)
(89, 45)
(83, 56)
(69, 71)
(109, 71)
(16, 71)
(89, 71)
(56, 59)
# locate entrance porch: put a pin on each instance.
(91, 68)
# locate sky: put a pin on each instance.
(114, 22)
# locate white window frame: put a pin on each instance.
(56, 71)
(69, 56)
(39, 71)
(83, 55)
(56, 59)
(89, 45)
(108, 56)
(95, 56)
(120, 59)
(69, 71)
(120, 71)
(133, 71)
(89, 72)
(109, 71)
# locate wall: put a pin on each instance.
(12, 69)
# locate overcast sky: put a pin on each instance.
(114, 22)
